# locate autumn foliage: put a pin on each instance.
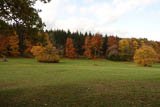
(124, 49)
(112, 51)
(70, 50)
(134, 45)
(3, 45)
(77, 44)
(46, 54)
(93, 46)
(14, 45)
(112, 41)
(27, 51)
(87, 47)
(145, 56)
(96, 45)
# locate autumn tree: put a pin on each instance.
(28, 47)
(47, 39)
(144, 42)
(96, 45)
(134, 46)
(20, 16)
(145, 56)
(112, 48)
(14, 45)
(112, 53)
(156, 47)
(70, 50)
(47, 54)
(3, 45)
(87, 47)
(158, 52)
(124, 49)
(112, 41)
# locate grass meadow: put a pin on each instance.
(78, 83)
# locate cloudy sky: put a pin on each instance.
(125, 18)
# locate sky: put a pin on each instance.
(124, 18)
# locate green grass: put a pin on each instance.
(78, 83)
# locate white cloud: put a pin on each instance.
(95, 17)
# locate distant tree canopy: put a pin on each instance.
(80, 45)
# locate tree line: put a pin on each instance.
(22, 34)
(78, 45)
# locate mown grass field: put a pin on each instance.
(78, 83)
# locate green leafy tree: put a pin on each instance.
(21, 12)
(20, 15)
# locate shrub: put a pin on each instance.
(145, 56)
(46, 54)
(114, 57)
(37, 50)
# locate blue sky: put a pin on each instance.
(125, 18)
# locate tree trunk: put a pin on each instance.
(4, 59)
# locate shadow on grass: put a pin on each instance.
(83, 95)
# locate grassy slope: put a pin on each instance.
(74, 83)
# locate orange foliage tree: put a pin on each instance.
(145, 56)
(70, 50)
(14, 45)
(96, 45)
(87, 47)
(3, 45)
(112, 41)
(112, 51)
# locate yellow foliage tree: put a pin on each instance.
(37, 50)
(124, 46)
(156, 47)
(48, 39)
(14, 45)
(46, 54)
(135, 45)
(145, 56)
(124, 49)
